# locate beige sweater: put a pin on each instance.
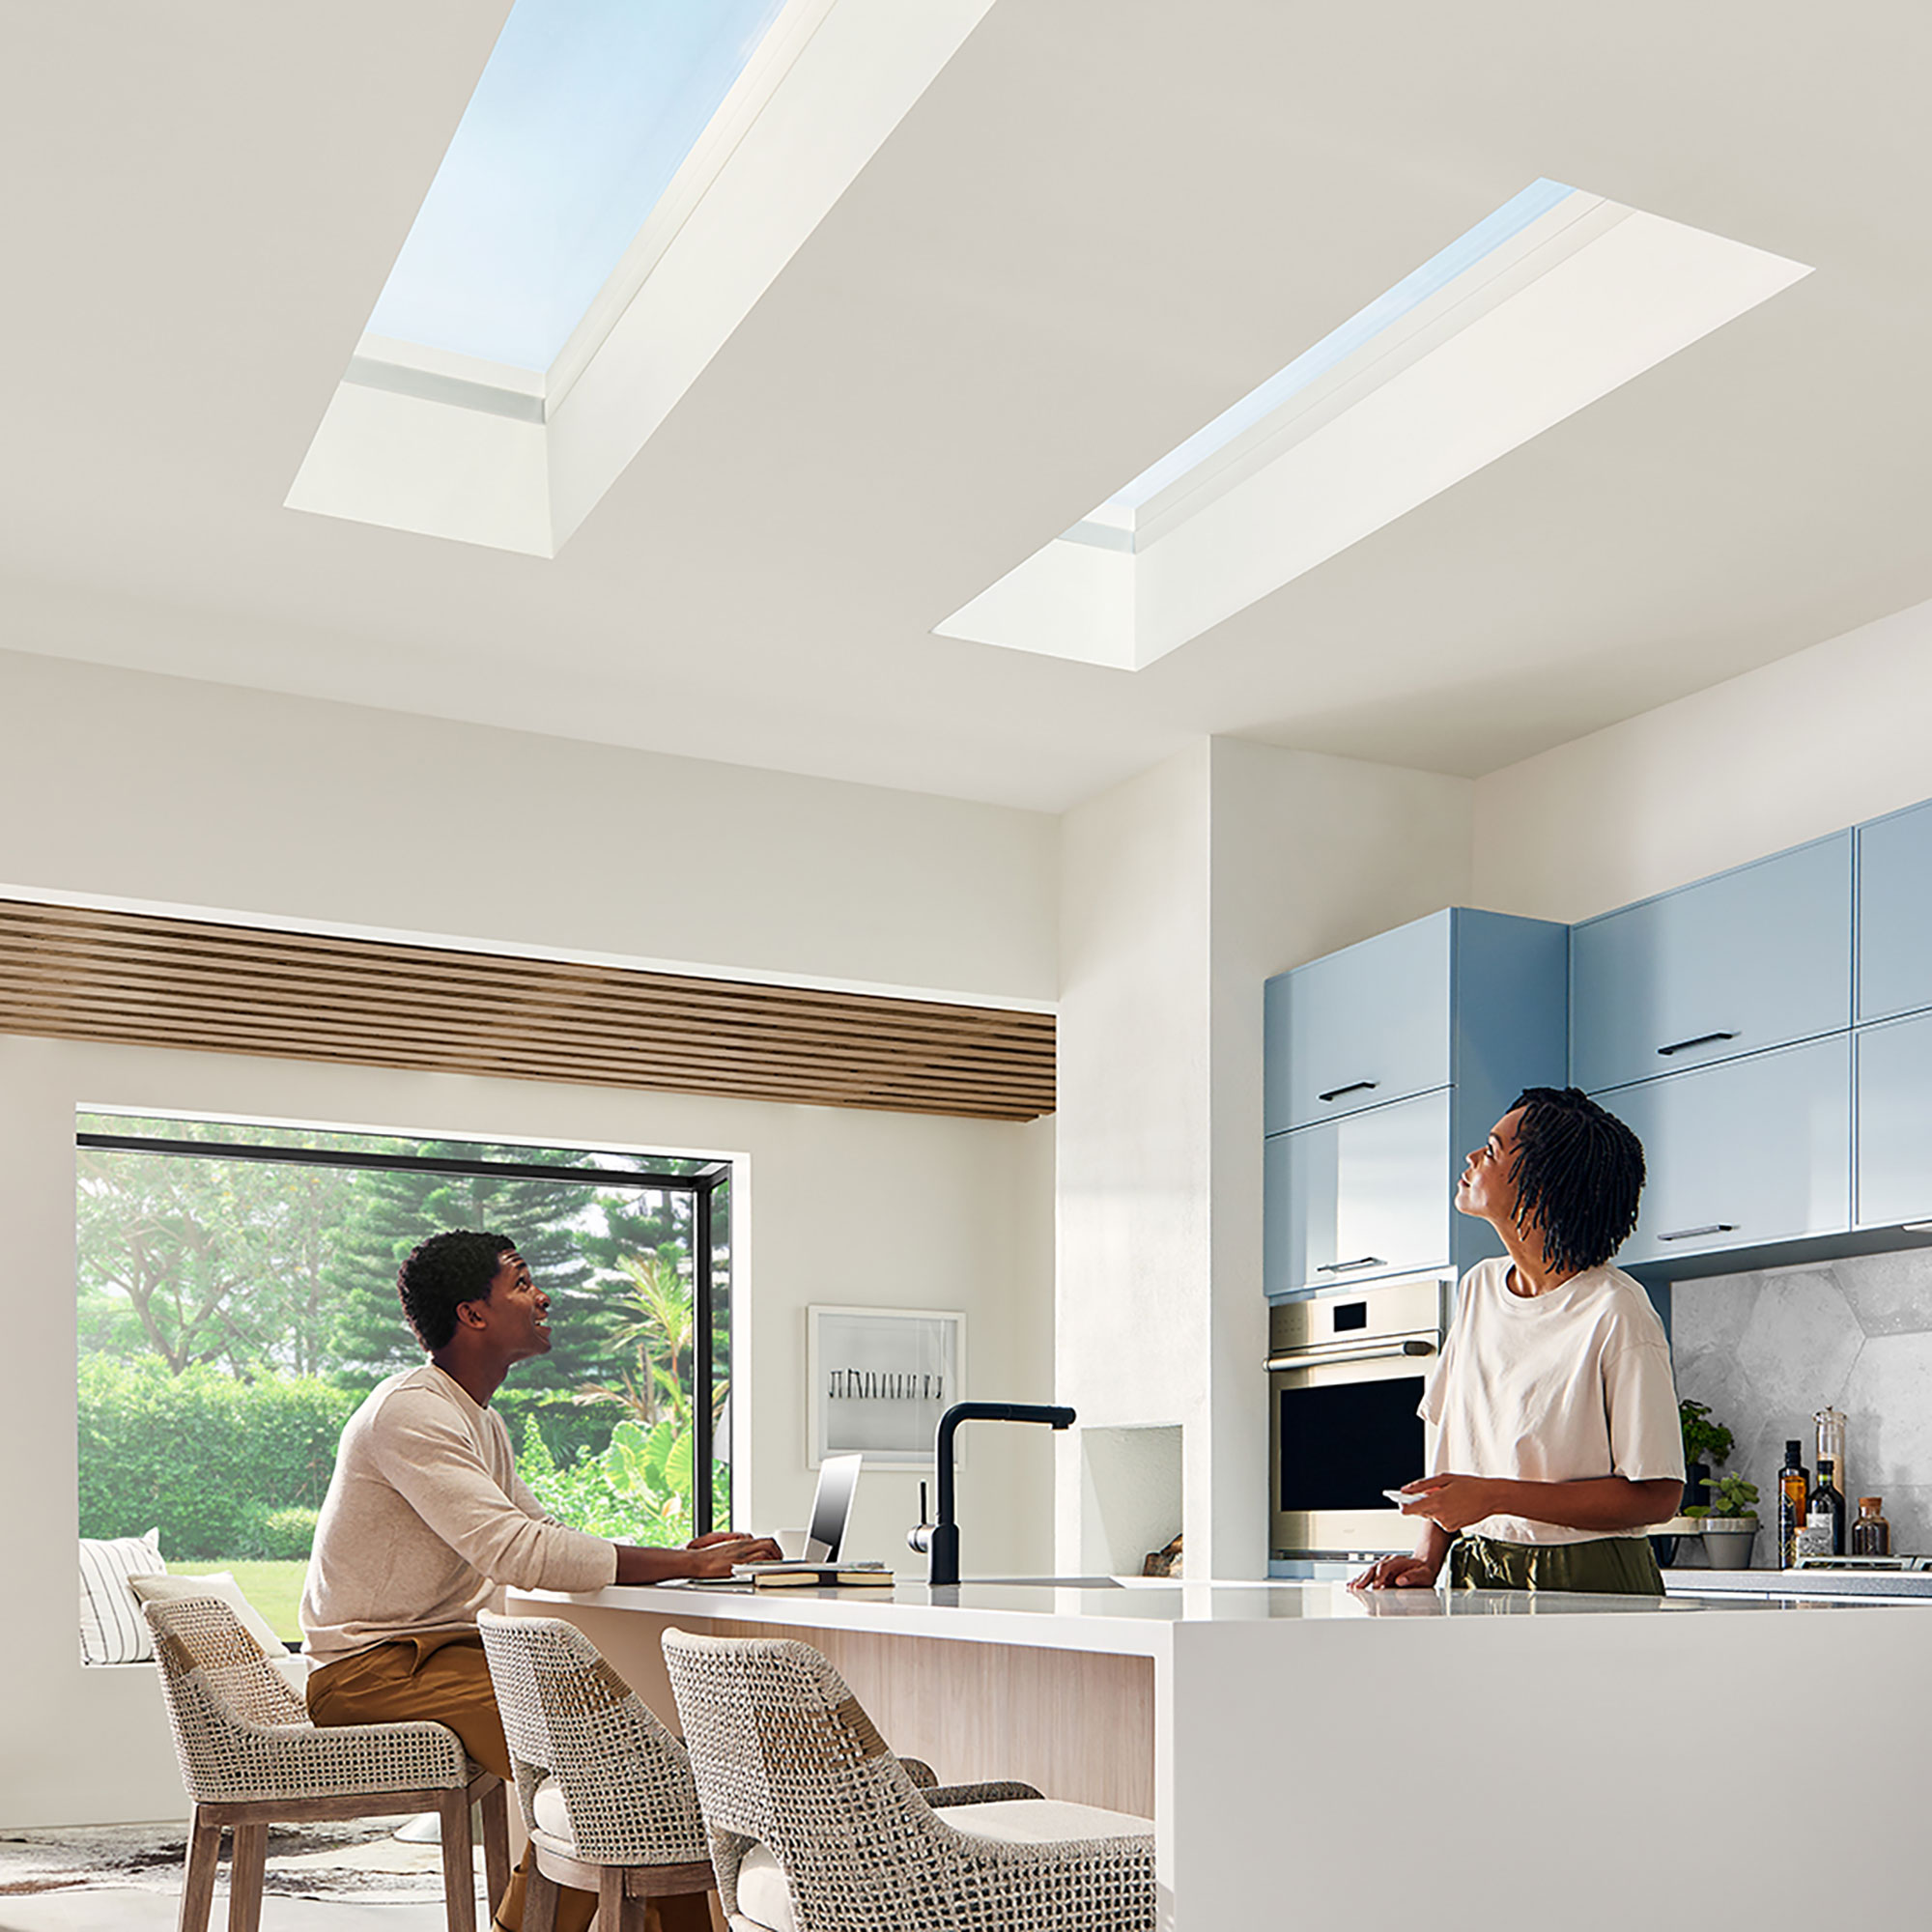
(425, 1520)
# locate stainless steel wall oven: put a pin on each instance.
(1345, 1375)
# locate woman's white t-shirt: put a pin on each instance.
(1554, 1388)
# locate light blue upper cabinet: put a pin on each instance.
(1747, 960)
(1895, 1113)
(1386, 1063)
(1364, 1026)
(1463, 998)
(1358, 1198)
(1895, 914)
(1741, 1154)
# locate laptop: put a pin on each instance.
(825, 1532)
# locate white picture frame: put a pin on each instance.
(877, 1381)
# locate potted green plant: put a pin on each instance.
(1729, 1522)
(1706, 1445)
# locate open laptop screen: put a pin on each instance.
(832, 1504)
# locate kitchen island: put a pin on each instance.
(1311, 1751)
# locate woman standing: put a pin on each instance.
(1557, 1442)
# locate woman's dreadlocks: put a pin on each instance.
(1577, 1171)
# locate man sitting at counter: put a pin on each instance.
(1557, 1442)
(425, 1520)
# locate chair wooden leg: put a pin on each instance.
(610, 1899)
(459, 1862)
(204, 1853)
(539, 1898)
(495, 1808)
(246, 1867)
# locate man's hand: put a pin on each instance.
(709, 1556)
(715, 1554)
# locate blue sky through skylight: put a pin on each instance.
(1461, 255)
(584, 112)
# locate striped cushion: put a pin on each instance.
(112, 1628)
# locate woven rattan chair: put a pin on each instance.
(250, 1758)
(797, 1785)
(605, 1790)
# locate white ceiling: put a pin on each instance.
(1104, 222)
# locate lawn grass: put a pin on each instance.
(274, 1588)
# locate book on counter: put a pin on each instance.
(813, 1575)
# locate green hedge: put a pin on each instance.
(211, 1459)
(233, 1469)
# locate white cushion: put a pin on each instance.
(1041, 1821)
(764, 1898)
(112, 1630)
(553, 1820)
(223, 1586)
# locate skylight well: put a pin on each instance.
(615, 200)
(583, 116)
(1554, 299)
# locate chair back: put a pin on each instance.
(625, 1779)
(216, 1682)
(785, 1754)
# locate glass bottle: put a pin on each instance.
(1871, 1534)
(1794, 1490)
(1824, 1531)
(1831, 1427)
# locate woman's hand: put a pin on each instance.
(1397, 1573)
(1453, 1501)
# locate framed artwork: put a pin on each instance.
(879, 1378)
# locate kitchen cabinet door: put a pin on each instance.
(1894, 1110)
(1361, 1028)
(1743, 1153)
(1895, 914)
(1358, 1198)
(1733, 965)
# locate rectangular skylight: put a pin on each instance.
(584, 113)
(1469, 248)
(1554, 299)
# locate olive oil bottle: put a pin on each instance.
(1794, 1490)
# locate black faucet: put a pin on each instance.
(939, 1540)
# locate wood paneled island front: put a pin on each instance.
(1305, 1751)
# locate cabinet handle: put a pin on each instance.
(1702, 1039)
(1353, 1086)
(1342, 1268)
(1690, 1234)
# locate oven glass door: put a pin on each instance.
(1338, 1437)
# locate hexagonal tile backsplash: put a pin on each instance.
(1766, 1350)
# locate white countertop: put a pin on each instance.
(1136, 1618)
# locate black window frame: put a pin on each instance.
(701, 1185)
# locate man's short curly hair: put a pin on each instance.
(443, 1272)
(1578, 1172)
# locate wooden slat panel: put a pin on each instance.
(90, 973)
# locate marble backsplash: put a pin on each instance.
(1766, 1351)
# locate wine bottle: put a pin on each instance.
(1824, 1531)
(1794, 1489)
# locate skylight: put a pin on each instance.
(1437, 272)
(584, 113)
(1548, 303)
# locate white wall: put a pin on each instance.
(123, 787)
(1803, 747)
(1183, 891)
(838, 1206)
(119, 785)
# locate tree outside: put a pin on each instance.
(234, 1312)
